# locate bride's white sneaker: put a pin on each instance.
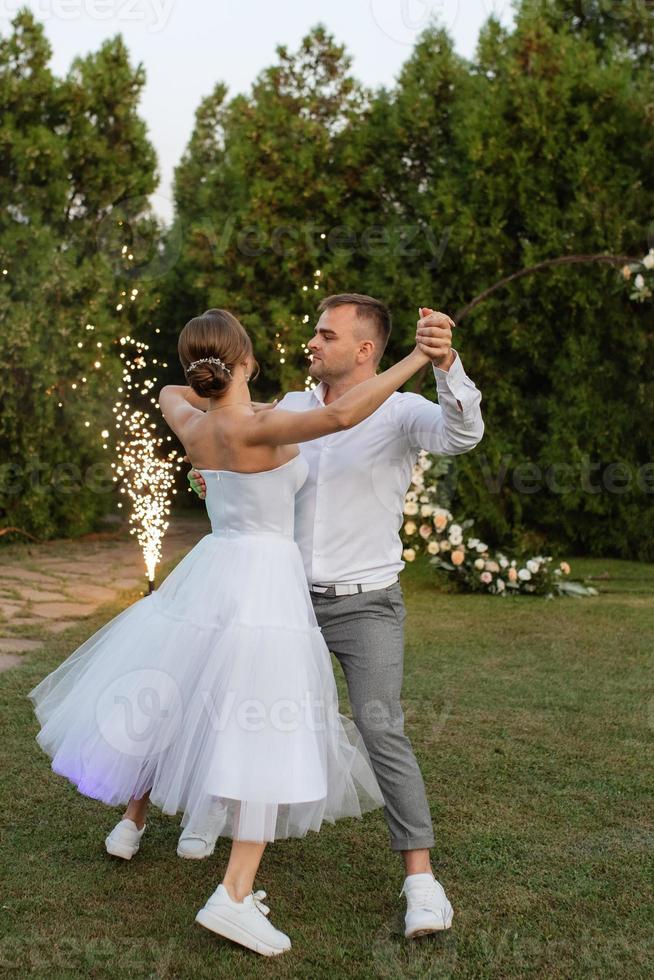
(125, 839)
(196, 844)
(243, 922)
(428, 907)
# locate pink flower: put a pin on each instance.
(486, 578)
(425, 531)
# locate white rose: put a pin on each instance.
(426, 510)
(445, 545)
(457, 529)
(433, 547)
(479, 563)
(408, 554)
(533, 565)
(473, 542)
(480, 546)
(425, 498)
(639, 282)
(424, 463)
(410, 508)
(500, 584)
(648, 261)
(503, 562)
(409, 527)
(524, 574)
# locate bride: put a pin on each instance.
(215, 694)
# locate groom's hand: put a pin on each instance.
(434, 337)
(262, 406)
(196, 480)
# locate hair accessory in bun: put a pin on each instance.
(209, 360)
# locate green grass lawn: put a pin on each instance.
(533, 723)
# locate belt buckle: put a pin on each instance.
(326, 590)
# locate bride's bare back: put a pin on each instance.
(213, 440)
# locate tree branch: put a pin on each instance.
(501, 283)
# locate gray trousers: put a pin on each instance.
(365, 632)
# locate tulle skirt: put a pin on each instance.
(216, 694)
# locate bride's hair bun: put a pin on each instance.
(208, 376)
(210, 346)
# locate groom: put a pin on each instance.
(347, 518)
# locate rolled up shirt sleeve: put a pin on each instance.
(454, 425)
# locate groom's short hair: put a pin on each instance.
(369, 309)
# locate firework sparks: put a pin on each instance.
(145, 471)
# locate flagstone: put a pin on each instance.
(58, 626)
(12, 573)
(59, 610)
(40, 595)
(18, 644)
(9, 609)
(83, 568)
(8, 660)
(95, 593)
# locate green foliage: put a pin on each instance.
(70, 150)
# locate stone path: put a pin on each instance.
(46, 588)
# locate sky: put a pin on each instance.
(187, 46)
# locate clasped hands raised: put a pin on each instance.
(434, 337)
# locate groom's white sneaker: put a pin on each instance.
(124, 840)
(428, 907)
(243, 922)
(196, 844)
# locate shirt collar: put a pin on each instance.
(319, 392)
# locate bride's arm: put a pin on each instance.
(178, 404)
(280, 428)
(176, 395)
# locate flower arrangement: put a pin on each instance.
(641, 277)
(431, 530)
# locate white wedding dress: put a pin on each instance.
(216, 692)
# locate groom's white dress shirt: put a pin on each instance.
(349, 511)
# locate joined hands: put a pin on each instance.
(434, 337)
